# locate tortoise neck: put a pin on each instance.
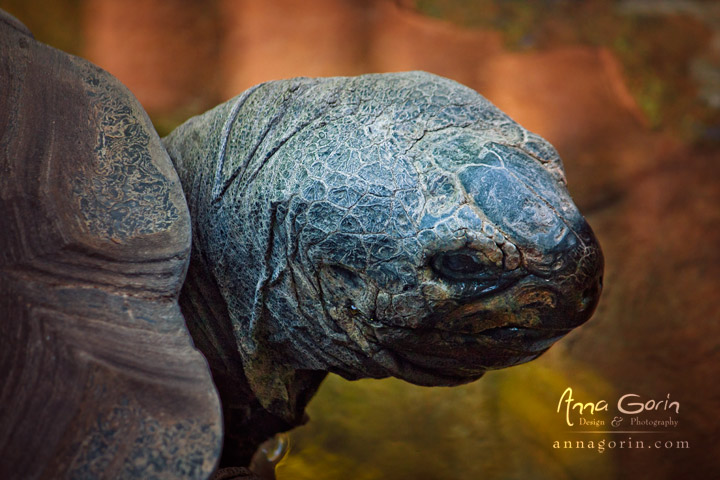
(247, 423)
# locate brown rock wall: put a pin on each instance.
(165, 52)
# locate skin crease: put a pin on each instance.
(374, 226)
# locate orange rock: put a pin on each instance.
(289, 38)
(164, 52)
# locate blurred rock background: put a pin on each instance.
(629, 93)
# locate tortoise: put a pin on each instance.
(168, 305)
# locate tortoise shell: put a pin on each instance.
(100, 376)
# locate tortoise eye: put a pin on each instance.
(463, 264)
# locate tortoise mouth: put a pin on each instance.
(523, 339)
(497, 331)
(435, 357)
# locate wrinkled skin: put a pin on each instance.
(384, 225)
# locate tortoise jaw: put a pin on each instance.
(433, 357)
(523, 339)
(503, 329)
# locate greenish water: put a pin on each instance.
(503, 426)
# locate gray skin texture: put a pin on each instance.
(373, 226)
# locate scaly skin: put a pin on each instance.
(383, 225)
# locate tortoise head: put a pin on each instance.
(385, 225)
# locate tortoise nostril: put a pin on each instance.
(590, 295)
